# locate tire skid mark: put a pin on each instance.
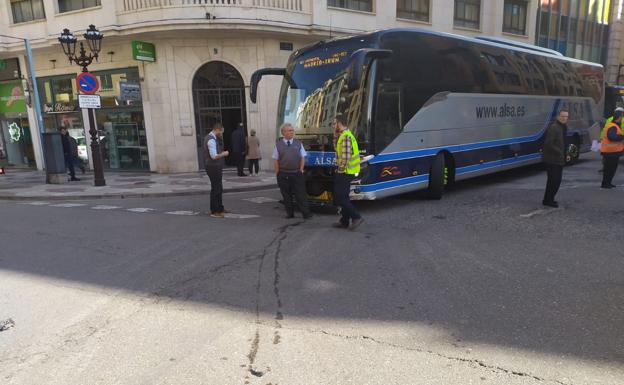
(276, 245)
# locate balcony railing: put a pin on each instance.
(286, 5)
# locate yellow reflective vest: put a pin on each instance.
(353, 165)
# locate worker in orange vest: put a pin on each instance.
(611, 148)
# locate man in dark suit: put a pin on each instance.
(239, 148)
(554, 156)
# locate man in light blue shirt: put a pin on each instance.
(289, 160)
(214, 159)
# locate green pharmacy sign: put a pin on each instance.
(143, 51)
(15, 132)
(12, 97)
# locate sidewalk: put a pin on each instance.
(30, 185)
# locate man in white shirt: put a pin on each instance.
(289, 160)
(214, 159)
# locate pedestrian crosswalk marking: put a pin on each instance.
(149, 210)
(241, 216)
(260, 200)
(105, 207)
(68, 205)
(140, 210)
(182, 212)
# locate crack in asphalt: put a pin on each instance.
(493, 368)
(282, 234)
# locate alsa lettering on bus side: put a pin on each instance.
(500, 111)
(321, 159)
(317, 61)
(576, 110)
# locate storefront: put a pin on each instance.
(16, 147)
(120, 121)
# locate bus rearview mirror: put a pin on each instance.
(357, 61)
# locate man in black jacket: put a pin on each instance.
(68, 153)
(239, 148)
(554, 156)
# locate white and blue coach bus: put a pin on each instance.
(429, 108)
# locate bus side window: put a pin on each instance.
(388, 117)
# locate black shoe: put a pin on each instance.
(74, 179)
(607, 186)
(242, 175)
(550, 204)
(289, 216)
(612, 185)
(339, 225)
(355, 223)
(307, 216)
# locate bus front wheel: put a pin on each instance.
(437, 176)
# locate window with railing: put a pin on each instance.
(413, 9)
(357, 5)
(73, 5)
(27, 10)
(515, 16)
(467, 13)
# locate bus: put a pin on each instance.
(429, 109)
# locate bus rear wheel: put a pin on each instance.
(437, 177)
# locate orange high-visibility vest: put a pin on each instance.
(608, 146)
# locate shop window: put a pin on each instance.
(27, 10)
(357, 5)
(413, 9)
(515, 16)
(72, 5)
(467, 13)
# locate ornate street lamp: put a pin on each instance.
(94, 42)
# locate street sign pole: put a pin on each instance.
(88, 84)
(98, 164)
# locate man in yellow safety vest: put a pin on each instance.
(347, 168)
(611, 148)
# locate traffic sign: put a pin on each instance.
(89, 101)
(88, 83)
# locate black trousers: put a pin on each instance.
(555, 173)
(69, 165)
(342, 188)
(215, 173)
(293, 184)
(239, 160)
(254, 163)
(610, 167)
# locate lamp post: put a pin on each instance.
(68, 42)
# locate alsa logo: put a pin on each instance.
(576, 110)
(390, 171)
(328, 160)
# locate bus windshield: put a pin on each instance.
(314, 89)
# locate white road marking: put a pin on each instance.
(532, 213)
(36, 203)
(182, 212)
(241, 216)
(68, 205)
(538, 212)
(260, 200)
(140, 210)
(105, 207)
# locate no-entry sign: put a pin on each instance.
(88, 83)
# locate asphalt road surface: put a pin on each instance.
(483, 287)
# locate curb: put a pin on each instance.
(131, 195)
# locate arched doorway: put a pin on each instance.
(218, 96)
